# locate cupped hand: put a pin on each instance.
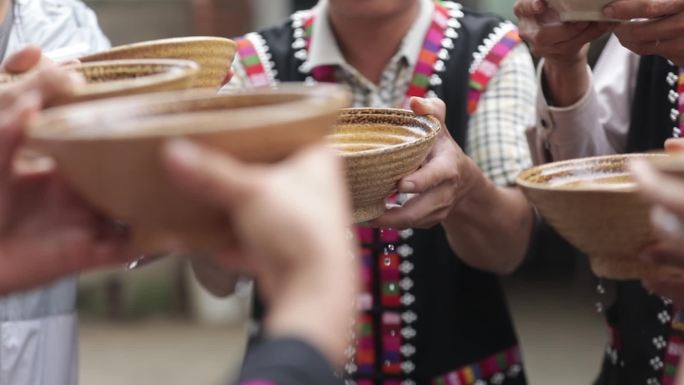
(659, 30)
(437, 185)
(666, 193)
(559, 43)
(291, 223)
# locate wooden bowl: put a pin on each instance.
(125, 77)
(379, 147)
(109, 151)
(213, 54)
(593, 203)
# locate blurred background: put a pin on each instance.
(155, 325)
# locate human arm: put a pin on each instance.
(286, 362)
(460, 191)
(659, 29)
(667, 217)
(291, 222)
(578, 113)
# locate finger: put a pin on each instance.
(671, 289)
(650, 31)
(642, 9)
(664, 253)
(53, 82)
(575, 44)
(658, 188)
(13, 121)
(674, 145)
(433, 107)
(209, 175)
(439, 169)
(557, 34)
(23, 60)
(663, 48)
(69, 63)
(528, 8)
(422, 211)
(49, 82)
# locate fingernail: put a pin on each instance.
(184, 150)
(538, 5)
(609, 11)
(408, 186)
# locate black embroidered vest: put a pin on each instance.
(455, 325)
(641, 323)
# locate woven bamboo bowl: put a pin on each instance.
(593, 203)
(379, 147)
(124, 77)
(213, 54)
(109, 151)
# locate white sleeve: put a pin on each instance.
(597, 124)
(64, 29)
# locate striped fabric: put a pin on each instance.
(485, 370)
(675, 348)
(489, 67)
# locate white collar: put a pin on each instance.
(324, 49)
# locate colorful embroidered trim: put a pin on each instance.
(429, 55)
(675, 348)
(488, 60)
(365, 345)
(391, 343)
(505, 363)
(252, 50)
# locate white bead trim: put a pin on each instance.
(488, 44)
(265, 57)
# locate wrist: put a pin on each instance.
(474, 190)
(565, 82)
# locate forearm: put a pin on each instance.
(590, 126)
(491, 227)
(286, 361)
(319, 309)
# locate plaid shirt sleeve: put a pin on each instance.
(496, 134)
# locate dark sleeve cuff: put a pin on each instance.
(286, 361)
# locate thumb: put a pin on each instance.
(433, 106)
(674, 145)
(209, 175)
(23, 60)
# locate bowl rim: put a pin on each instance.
(175, 69)
(171, 70)
(133, 111)
(159, 42)
(432, 122)
(522, 182)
